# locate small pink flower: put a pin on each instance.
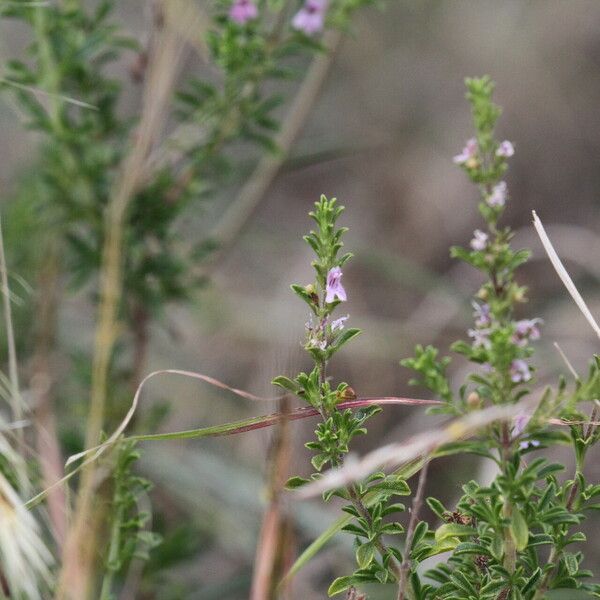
(242, 11)
(310, 18)
(468, 152)
(334, 289)
(480, 240)
(526, 330)
(519, 371)
(480, 338)
(529, 443)
(505, 149)
(520, 423)
(498, 195)
(338, 324)
(482, 314)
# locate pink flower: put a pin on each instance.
(468, 152)
(505, 149)
(338, 324)
(498, 195)
(529, 443)
(526, 330)
(242, 11)
(519, 371)
(480, 240)
(335, 289)
(311, 17)
(480, 338)
(482, 314)
(520, 423)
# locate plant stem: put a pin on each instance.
(510, 550)
(410, 532)
(265, 567)
(42, 380)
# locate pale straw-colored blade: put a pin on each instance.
(563, 274)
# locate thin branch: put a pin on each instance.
(410, 532)
(264, 579)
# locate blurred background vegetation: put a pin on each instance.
(380, 138)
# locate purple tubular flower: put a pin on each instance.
(242, 11)
(335, 289)
(519, 371)
(505, 149)
(338, 324)
(482, 314)
(526, 330)
(520, 423)
(480, 338)
(498, 195)
(480, 240)
(529, 443)
(468, 152)
(310, 19)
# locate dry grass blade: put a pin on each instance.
(98, 450)
(24, 557)
(420, 445)
(563, 274)
(16, 400)
(38, 91)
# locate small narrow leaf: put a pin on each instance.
(519, 530)
(341, 584)
(365, 555)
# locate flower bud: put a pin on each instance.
(474, 401)
(347, 394)
(483, 294)
(312, 292)
(519, 295)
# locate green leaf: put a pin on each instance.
(570, 563)
(301, 292)
(453, 530)
(398, 487)
(286, 383)
(532, 581)
(295, 482)
(344, 338)
(419, 534)
(365, 555)
(339, 585)
(318, 461)
(471, 548)
(436, 506)
(519, 529)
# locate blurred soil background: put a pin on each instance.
(381, 139)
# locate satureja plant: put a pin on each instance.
(516, 538)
